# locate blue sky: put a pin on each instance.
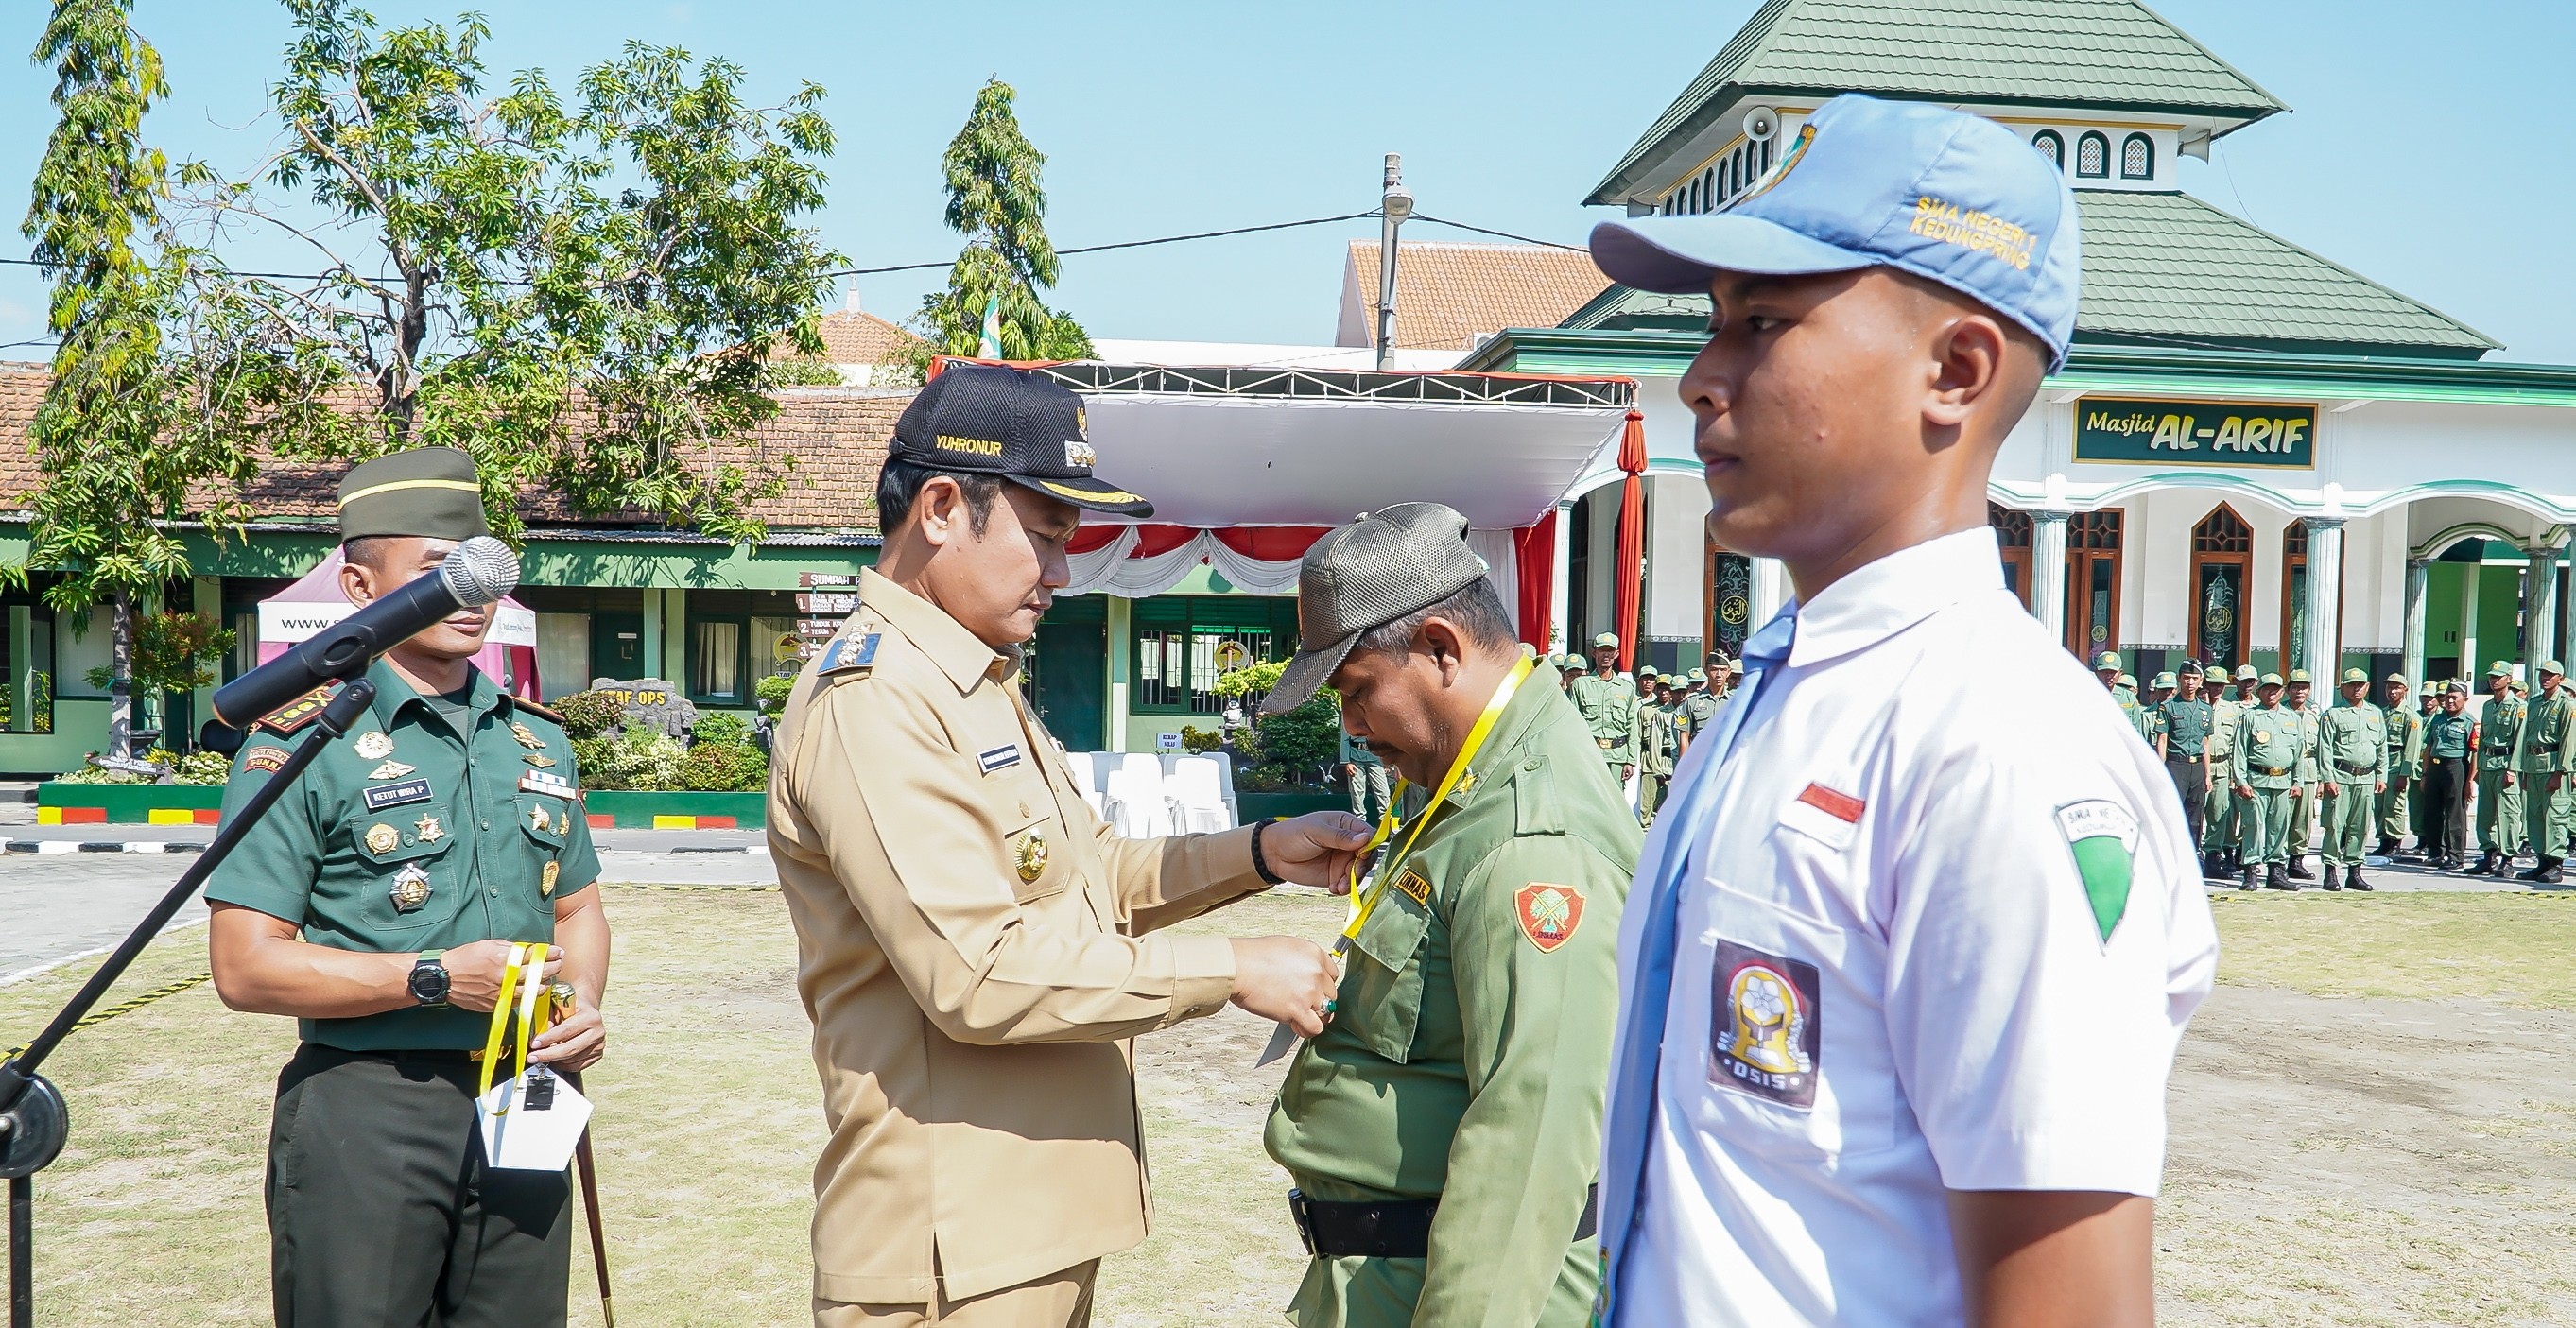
(2426, 147)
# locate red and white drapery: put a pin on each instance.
(1138, 561)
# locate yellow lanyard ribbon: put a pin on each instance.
(531, 959)
(1363, 905)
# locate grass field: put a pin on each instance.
(708, 1124)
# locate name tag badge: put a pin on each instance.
(997, 759)
(395, 795)
(552, 785)
(521, 1135)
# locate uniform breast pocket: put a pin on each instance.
(1792, 1041)
(1381, 991)
(404, 854)
(1033, 852)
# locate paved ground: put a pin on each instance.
(53, 908)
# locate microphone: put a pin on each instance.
(476, 572)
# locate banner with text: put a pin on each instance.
(2198, 433)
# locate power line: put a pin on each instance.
(1123, 244)
(1500, 235)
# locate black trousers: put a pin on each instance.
(2187, 772)
(2446, 808)
(381, 1213)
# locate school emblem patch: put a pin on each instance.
(1769, 1032)
(1549, 914)
(2103, 837)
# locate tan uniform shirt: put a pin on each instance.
(974, 947)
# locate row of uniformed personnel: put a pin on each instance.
(2256, 768)
(1642, 723)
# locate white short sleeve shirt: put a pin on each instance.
(1938, 936)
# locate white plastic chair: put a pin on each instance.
(1078, 765)
(1137, 807)
(1198, 796)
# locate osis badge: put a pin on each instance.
(410, 889)
(373, 745)
(1768, 1034)
(1030, 855)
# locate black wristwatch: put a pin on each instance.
(429, 979)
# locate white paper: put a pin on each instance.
(519, 1139)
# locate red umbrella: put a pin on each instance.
(1628, 571)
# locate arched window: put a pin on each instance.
(2093, 581)
(1709, 190)
(1694, 195)
(2050, 146)
(2012, 534)
(2222, 561)
(1725, 181)
(1766, 154)
(2093, 156)
(2137, 158)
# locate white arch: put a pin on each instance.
(2487, 490)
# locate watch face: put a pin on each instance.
(429, 984)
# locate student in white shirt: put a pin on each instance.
(1904, 968)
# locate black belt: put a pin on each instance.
(2350, 769)
(1400, 1229)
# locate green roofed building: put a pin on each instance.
(2253, 454)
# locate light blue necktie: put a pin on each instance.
(1631, 1115)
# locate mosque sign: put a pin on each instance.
(2196, 433)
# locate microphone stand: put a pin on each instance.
(33, 1121)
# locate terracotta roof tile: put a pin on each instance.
(852, 336)
(836, 435)
(1447, 295)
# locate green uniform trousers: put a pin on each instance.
(2544, 814)
(2267, 826)
(2393, 818)
(380, 1210)
(1381, 1293)
(2223, 822)
(1369, 790)
(2348, 818)
(1650, 795)
(2303, 820)
(2500, 828)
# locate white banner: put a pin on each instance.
(288, 623)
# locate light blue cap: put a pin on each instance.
(1949, 197)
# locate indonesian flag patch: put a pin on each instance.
(2103, 836)
(1549, 914)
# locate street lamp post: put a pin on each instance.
(1397, 203)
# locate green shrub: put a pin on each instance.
(590, 714)
(642, 759)
(773, 690)
(1196, 739)
(720, 728)
(1301, 742)
(204, 768)
(724, 768)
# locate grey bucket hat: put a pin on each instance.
(1387, 564)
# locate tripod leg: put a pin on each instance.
(22, 1252)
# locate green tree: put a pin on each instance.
(996, 201)
(584, 293)
(119, 437)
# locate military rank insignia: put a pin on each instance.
(546, 880)
(845, 654)
(297, 713)
(410, 889)
(1030, 855)
(1548, 913)
(527, 738)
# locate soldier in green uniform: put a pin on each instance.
(378, 903)
(2352, 755)
(2106, 666)
(2447, 744)
(1367, 776)
(2405, 750)
(2265, 772)
(1444, 1131)
(1658, 747)
(2220, 823)
(2303, 807)
(2546, 752)
(1608, 705)
(2186, 717)
(2500, 830)
(1699, 709)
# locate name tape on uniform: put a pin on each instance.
(994, 759)
(552, 785)
(395, 795)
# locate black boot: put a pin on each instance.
(2245, 879)
(2548, 871)
(2387, 847)
(2354, 881)
(2537, 869)
(2214, 866)
(2299, 867)
(2276, 879)
(2334, 877)
(2486, 865)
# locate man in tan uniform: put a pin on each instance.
(974, 946)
